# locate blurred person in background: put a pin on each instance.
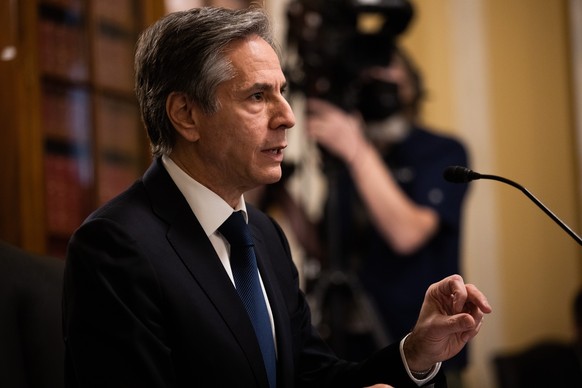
(400, 222)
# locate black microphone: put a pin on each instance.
(459, 174)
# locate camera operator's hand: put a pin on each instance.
(452, 313)
(338, 131)
(405, 225)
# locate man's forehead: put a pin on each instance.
(255, 61)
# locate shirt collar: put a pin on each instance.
(210, 210)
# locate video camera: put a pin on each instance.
(335, 40)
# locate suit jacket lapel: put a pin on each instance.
(186, 236)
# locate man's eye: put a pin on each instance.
(257, 96)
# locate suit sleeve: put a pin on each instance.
(113, 327)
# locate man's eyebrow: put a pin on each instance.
(263, 86)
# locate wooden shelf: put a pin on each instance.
(80, 140)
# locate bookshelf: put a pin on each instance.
(74, 138)
(94, 145)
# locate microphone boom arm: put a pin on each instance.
(460, 174)
(536, 201)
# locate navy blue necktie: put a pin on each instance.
(246, 279)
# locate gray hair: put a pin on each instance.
(185, 52)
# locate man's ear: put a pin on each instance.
(180, 112)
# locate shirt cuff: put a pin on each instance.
(432, 374)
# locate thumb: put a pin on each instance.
(460, 324)
(469, 327)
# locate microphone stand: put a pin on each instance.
(458, 174)
(536, 201)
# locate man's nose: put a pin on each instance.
(284, 117)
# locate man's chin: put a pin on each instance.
(272, 180)
(273, 175)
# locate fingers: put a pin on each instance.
(463, 305)
(461, 294)
(477, 314)
(449, 294)
(478, 298)
(458, 293)
(470, 306)
(461, 326)
(475, 326)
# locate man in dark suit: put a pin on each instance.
(150, 297)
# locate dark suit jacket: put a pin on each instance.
(147, 303)
(31, 345)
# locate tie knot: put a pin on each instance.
(236, 230)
